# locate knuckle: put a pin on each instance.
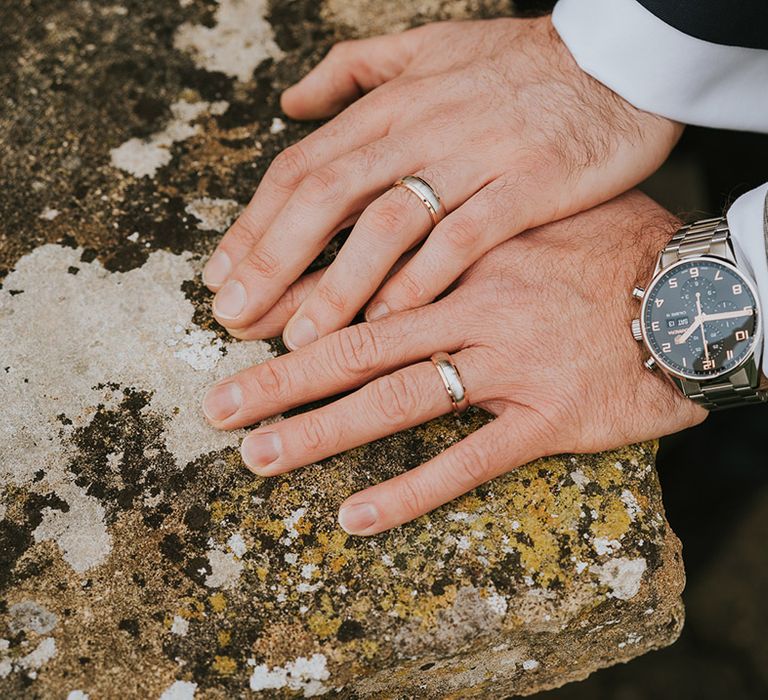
(247, 226)
(314, 433)
(322, 186)
(355, 351)
(262, 262)
(413, 290)
(410, 496)
(331, 296)
(393, 399)
(462, 233)
(271, 383)
(469, 467)
(289, 167)
(386, 218)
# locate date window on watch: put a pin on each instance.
(673, 323)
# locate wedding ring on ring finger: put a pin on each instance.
(426, 194)
(449, 374)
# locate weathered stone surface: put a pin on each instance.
(137, 557)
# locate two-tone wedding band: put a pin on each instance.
(426, 194)
(449, 373)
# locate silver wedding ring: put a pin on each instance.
(449, 373)
(426, 194)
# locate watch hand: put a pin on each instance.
(725, 315)
(683, 337)
(704, 340)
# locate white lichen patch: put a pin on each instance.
(29, 616)
(213, 214)
(199, 348)
(179, 690)
(180, 626)
(225, 569)
(237, 544)
(604, 545)
(144, 157)
(41, 655)
(49, 214)
(530, 665)
(631, 504)
(240, 39)
(303, 674)
(622, 576)
(68, 335)
(77, 695)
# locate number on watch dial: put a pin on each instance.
(700, 318)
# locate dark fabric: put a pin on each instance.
(729, 22)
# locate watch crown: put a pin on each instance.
(650, 364)
(638, 293)
(637, 332)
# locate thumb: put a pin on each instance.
(350, 69)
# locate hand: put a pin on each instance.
(495, 114)
(540, 331)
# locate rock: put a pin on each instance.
(137, 557)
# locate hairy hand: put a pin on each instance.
(540, 331)
(494, 114)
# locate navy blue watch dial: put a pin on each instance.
(700, 318)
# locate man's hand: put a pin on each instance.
(540, 331)
(495, 115)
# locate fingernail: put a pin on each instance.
(357, 518)
(222, 401)
(229, 302)
(300, 333)
(378, 310)
(217, 269)
(259, 450)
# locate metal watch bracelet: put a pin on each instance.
(710, 237)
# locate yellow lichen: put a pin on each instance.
(224, 665)
(218, 602)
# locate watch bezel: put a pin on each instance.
(693, 376)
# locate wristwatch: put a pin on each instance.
(700, 319)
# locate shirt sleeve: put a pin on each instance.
(660, 69)
(748, 223)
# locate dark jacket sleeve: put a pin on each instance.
(731, 22)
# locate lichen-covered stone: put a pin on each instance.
(138, 559)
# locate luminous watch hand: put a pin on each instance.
(726, 315)
(683, 337)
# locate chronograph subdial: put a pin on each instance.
(714, 349)
(701, 287)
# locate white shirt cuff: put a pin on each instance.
(660, 69)
(748, 223)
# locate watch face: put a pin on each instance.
(700, 318)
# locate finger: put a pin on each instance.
(304, 226)
(386, 405)
(272, 324)
(336, 363)
(363, 123)
(502, 445)
(350, 69)
(491, 216)
(391, 225)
